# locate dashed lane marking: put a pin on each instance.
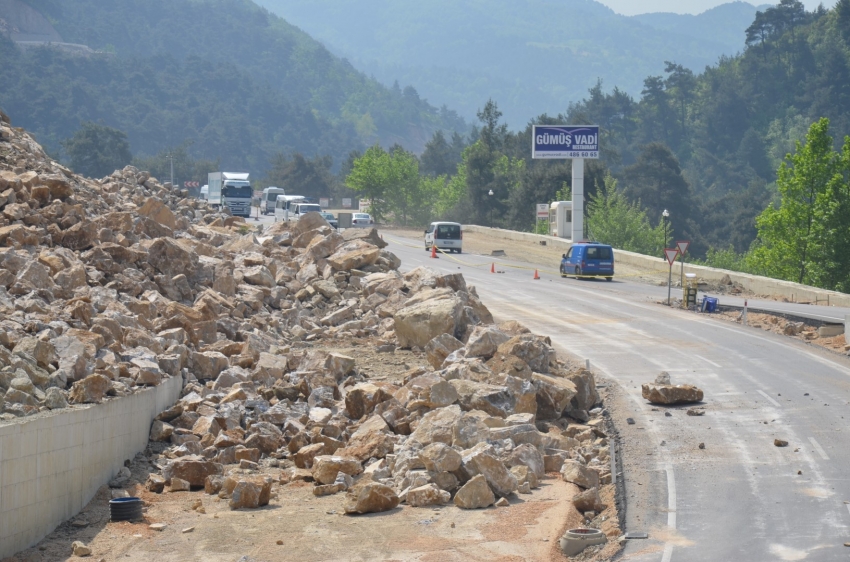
(709, 361)
(818, 448)
(769, 399)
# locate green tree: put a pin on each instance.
(97, 150)
(391, 182)
(793, 237)
(299, 175)
(613, 219)
(186, 167)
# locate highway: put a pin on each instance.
(739, 498)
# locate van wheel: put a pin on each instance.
(563, 273)
(578, 271)
(459, 251)
(609, 278)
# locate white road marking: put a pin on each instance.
(709, 361)
(818, 448)
(769, 399)
(671, 511)
(848, 507)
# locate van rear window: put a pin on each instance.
(448, 232)
(598, 253)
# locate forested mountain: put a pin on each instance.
(533, 56)
(712, 149)
(235, 81)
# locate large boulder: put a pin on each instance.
(156, 210)
(580, 475)
(193, 469)
(475, 494)
(668, 394)
(371, 497)
(90, 390)
(534, 350)
(485, 341)
(326, 468)
(437, 426)
(418, 324)
(439, 457)
(482, 460)
(427, 495)
(589, 500)
(440, 347)
(553, 396)
(354, 255)
(369, 235)
(251, 493)
(171, 259)
(586, 395)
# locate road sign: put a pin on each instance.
(672, 254)
(542, 211)
(346, 203)
(565, 141)
(191, 184)
(324, 202)
(683, 246)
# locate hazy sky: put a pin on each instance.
(632, 7)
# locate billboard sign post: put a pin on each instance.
(579, 143)
(542, 211)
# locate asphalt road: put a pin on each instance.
(739, 498)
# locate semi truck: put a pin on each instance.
(231, 190)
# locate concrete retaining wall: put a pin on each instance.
(51, 466)
(758, 285)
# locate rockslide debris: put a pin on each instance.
(110, 286)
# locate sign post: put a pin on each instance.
(683, 247)
(672, 254)
(542, 214)
(569, 142)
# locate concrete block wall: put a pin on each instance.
(52, 465)
(759, 285)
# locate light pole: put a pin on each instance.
(171, 160)
(665, 218)
(491, 208)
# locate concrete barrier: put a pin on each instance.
(52, 465)
(793, 292)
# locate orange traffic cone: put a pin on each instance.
(492, 268)
(434, 251)
(536, 275)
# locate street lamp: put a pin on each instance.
(665, 218)
(491, 208)
(171, 159)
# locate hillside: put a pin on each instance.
(532, 56)
(205, 71)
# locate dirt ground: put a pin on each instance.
(296, 525)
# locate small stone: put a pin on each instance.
(503, 502)
(780, 442)
(630, 421)
(188, 530)
(79, 523)
(695, 412)
(157, 526)
(799, 473)
(702, 445)
(279, 542)
(80, 549)
(668, 415)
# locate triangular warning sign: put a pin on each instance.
(683, 246)
(672, 254)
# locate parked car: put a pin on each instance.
(445, 236)
(589, 259)
(362, 220)
(330, 218)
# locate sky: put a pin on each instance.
(633, 7)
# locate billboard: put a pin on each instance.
(542, 211)
(565, 141)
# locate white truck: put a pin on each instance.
(231, 190)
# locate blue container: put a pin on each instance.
(709, 304)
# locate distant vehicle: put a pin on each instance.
(361, 220)
(331, 219)
(284, 204)
(205, 191)
(231, 190)
(270, 194)
(298, 210)
(589, 259)
(445, 236)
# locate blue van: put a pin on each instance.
(589, 259)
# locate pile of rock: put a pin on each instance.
(486, 419)
(108, 286)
